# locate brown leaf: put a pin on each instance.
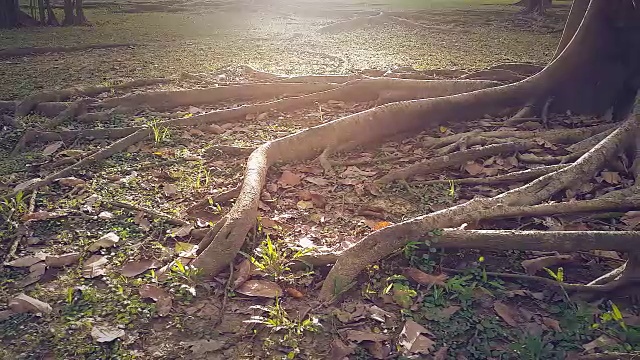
(505, 312)
(101, 333)
(360, 336)
(424, 278)
(294, 293)
(243, 272)
(552, 324)
(304, 195)
(317, 181)
(611, 177)
(106, 241)
(412, 339)
(339, 350)
(26, 304)
(354, 171)
(52, 148)
(450, 310)
(71, 182)
(303, 205)
(94, 266)
(27, 261)
(318, 200)
(56, 261)
(377, 350)
(289, 179)
(631, 219)
(532, 266)
(163, 299)
(134, 268)
(141, 221)
(473, 168)
(35, 274)
(260, 288)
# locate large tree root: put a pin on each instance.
(525, 175)
(223, 242)
(385, 241)
(25, 106)
(14, 52)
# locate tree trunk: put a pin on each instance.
(8, 14)
(69, 17)
(51, 15)
(80, 19)
(42, 13)
(537, 7)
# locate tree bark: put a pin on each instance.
(80, 19)
(8, 14)
(51, 15)
(42, 13)
(69, 17)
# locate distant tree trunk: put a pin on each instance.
(42, 12)
(51, 16)
(80, 19)
(69, 17)
(8, 14)
(538, 7)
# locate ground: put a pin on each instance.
(463, 312)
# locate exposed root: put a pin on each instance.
(455, 159)
(14, 52)
(25, 106)
(155, 214)
(501, 75)
(72, 110)
(525, 175)
(220, 198)
(33, 136)
(52, 108)
(383, 242)
(519, 68)
(230, 150)
(114, 148)
(549, 160)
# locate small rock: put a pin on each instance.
(262, 116)
(215, 129)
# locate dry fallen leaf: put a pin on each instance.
(631, 219)
(56, 261)
(185, 249)
(106, 241)
(339, 350)
(611, 177)
(318, 200)
(303, 205)
(294, 293)
(242, 273)
(35, 273)
(202, 347)
(532, 266)
(71, 181)
(441, 354)
(23, 303)
(105, 215)
(317, 181)
(473, 168)
(27, 261)
(505, 312)
(94, 266)
(260, 288)
(552, 324)
(413, 341)
(52, 148)
(102, 333)
(134, 268)
(163, 299)
(289, 179)
(424, 278)
(360, 336)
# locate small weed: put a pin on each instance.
(160, 133)
(275, 261)
(277, 319)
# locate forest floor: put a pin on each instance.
(108, 301)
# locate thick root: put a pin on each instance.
(385, 241)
